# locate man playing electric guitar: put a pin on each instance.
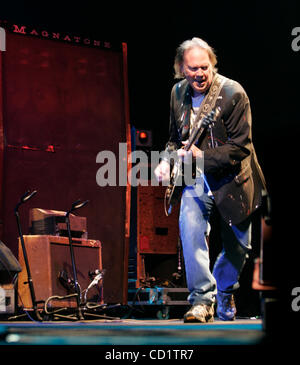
(231, 180)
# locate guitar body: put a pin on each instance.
(174, 189)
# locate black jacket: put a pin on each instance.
(231, 167)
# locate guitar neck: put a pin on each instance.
(196, 134)
(200, 126)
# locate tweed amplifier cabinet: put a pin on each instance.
(53, 222)
(51, 269)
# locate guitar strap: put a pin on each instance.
(210, 99)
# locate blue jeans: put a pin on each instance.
(195, 211)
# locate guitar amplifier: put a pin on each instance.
(53, 222)
(51, 268)
(157, 235)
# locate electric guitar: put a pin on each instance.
(174, 188)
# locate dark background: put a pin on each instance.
(252, 41)
(253, 45)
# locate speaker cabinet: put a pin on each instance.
(49, 257)
(157, 235)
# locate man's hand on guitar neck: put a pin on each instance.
(162, 171)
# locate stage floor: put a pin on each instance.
(129, 332)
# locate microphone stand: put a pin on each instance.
(24, 199)
(76, 205)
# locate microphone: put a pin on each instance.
(28, 195)
(65, 280)
(99, 275)
(96, 272)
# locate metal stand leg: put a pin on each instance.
(24, 199)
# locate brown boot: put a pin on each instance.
(200, 313)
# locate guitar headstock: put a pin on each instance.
(211, 117)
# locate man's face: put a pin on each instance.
(197, 69)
